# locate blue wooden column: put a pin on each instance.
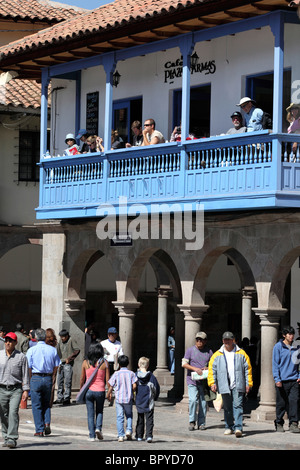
(109, 64)
(44, 111)
(277, 27)
(186, 49)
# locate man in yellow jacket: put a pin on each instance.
(230, 374)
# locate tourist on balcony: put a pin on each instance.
(73, 148)
(95, 144)
(253, 116)
(237, 121)
(176, 135)
(137, 131)
(83, 135)
(150, 135)
(116, 141)
(293, 117)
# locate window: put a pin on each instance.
(29, 155)
(199, 99)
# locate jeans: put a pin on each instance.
(124, 409)
(172, 360)
(64, 382)
(233, 409)
(287, 398)
(196, 397)
(9, 412)
(91, 399)
(40, 388)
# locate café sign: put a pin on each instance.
(174, 69)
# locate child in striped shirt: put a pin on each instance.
(123, 382)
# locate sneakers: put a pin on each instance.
(120, 439)
(294, 427)
(149, 439)
(228, 431)
(99, 434)
(202, 427)
(191, 426)
(91, 439)
(238, 433)
(128, 436)
(279, 427)
(47, 429)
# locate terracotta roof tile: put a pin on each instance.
(24, 93)
(41, 10)
(107, 16)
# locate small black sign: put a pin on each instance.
(92, 112)
(121, 239)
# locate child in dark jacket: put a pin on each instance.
(147, 392)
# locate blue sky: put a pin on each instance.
(88, 4)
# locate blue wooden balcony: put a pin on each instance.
(257, 170)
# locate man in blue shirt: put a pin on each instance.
(43, 362)
(253, 116)
(285, 362)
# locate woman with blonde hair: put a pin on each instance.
(293, 117)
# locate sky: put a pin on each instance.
(88, 4)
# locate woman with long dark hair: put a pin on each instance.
(95, 395)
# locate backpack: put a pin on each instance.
(267, 122)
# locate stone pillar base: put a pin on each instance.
(264, 413)
(183, 406)
(164, 377)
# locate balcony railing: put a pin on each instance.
(255, 170)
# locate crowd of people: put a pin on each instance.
(31, 364)
(228, 374)
(250, 118)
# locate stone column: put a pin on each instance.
(126, 326)
(193, 315)
(270, 321)
(247, 293)
(73, 321)
(162, 348)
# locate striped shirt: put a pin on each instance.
(122, 382)
(14, 369)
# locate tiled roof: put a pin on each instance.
(36, 10)
(24, 93)
(112, 15)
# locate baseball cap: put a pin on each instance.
(237, 114)
(201, 335)
(81, 132)
(112, 329)
(12, 336)
(228, 335)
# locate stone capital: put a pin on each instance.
(247, 292)
(126, 308)
(163, 291)
(193, 312)
(74, 306)
(269, 316)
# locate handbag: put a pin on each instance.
(80, 398)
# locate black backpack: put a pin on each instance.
(267, 122)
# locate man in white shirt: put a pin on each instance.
(150, 135)
(113, 348)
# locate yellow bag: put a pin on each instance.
(218, 402)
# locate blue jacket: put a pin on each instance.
(285, 362)
(147, 391)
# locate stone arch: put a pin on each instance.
(241, 264)
(278, 281)
(79, 269)
(163, 266)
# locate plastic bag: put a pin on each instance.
(218, 402)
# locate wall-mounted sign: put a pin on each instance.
(174, 69)
(92, 112)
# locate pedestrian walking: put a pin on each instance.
(196, 360)
(147, 392)
(123, 382)
(95, 396)
(22, 340)
(43, 362)
(113, 348)
(230, 374)
(67, 350)
(14, 387)
(171, 350)
(285, 366)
